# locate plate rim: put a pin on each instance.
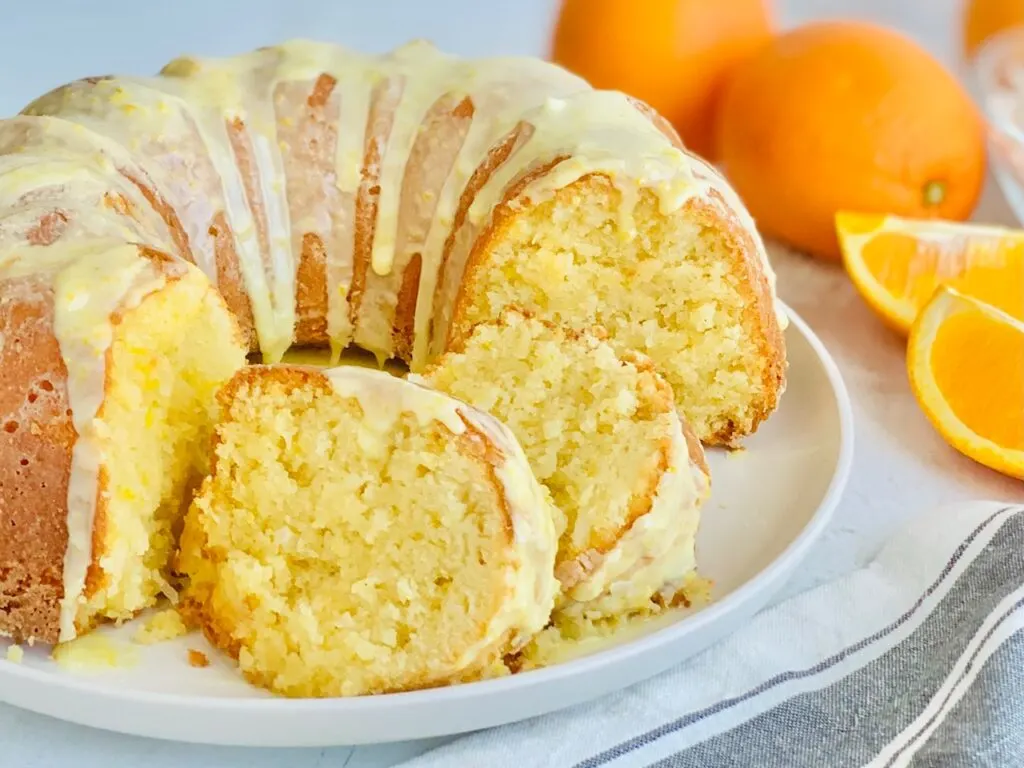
(796, 550)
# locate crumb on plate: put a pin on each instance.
(160, 627)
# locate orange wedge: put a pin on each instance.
(897, 263)
(966, 364)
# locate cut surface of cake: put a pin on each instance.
(110, 355)
(677, 288)
(362, 534)
(602, 433)
(393, 201)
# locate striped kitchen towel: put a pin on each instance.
(915, 660)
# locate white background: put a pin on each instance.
(901, 467)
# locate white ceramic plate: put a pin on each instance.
(769, 504)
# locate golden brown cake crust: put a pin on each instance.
(290, 377)
(383, 103)
(36, 437)
(760, 303)
(229, 278)
(437, 146)
(242, 150)
(311, 141)
(166, 212)
(759, 315)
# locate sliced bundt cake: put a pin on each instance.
(388, 202)
(360, 534)
(110, 355)
(602, 433)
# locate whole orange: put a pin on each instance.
(676, 55)
(844, 115)
(984, 18)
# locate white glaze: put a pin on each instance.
(597, 131)
(656, 551)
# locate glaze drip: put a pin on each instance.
(387, 215)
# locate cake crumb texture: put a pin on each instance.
(601, 432)
(168, 358)
(353, 535)
(571, 635)
(344, 546)
(677, 288)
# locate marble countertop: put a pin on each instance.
(901, 466)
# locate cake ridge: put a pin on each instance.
(592, 131)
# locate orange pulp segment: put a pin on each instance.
(966, 365)
(897, 263)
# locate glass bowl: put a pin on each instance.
(998, 73)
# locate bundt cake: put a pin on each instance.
(389, 203)
(360, 534)
(110, 355)
(392, 202)
(601, 432)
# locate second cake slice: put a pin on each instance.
(601, 431)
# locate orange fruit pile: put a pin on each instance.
(848, 141)
(847, 115)
(676, 55)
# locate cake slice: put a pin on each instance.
(602, 433)
(362, 534)
(110, 356)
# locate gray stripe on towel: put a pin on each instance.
(638, 742)
(849, 722)
(986, 727)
